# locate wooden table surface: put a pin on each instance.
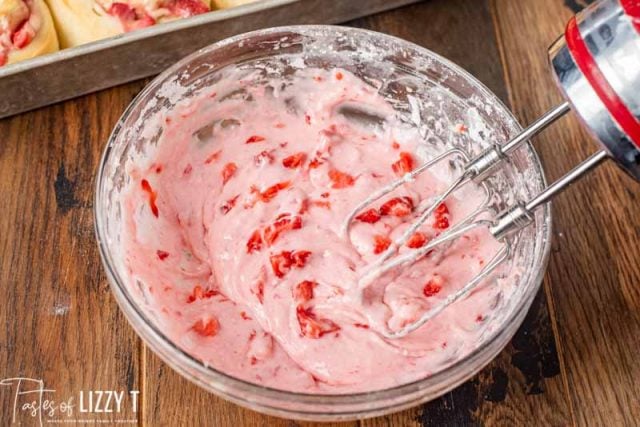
(573, 361)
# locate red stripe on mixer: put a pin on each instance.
(632, 10)
(583, 58)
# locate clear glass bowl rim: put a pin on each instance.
(209, 377)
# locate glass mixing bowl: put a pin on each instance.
(429, 91)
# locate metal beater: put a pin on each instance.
(596, 65)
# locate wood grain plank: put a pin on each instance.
(592, 279)
(60, 322)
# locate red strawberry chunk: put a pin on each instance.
(284, 222)
(255, 242)
(404, 165)
(315, 163)
(311, 326)
(340, 179)
(300, 258)
(228, 171)
(254, 138)
(417, 240)
(303, 291)
(270, 193)
(260, 291)
(441, 217)
(208, 328)
(162, 254)
(264, 158)
(3, 58)
(380, 244)
(122, 11)
(212, 157)
(228, 205)
(433, 286)
(282, 262)
(294, 160)
(398, 206)
(146, 187)
(23, 35)
(200, 293)
(186, 8)
(370, 216)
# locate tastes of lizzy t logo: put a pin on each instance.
(31, 399)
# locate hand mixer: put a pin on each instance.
(596, 65)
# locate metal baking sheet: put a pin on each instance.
(88, 68)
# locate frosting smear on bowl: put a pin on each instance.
(234, 237)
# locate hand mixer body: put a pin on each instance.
(597, 67)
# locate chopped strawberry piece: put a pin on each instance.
(315, 163)
(418, 240)
(254, 138)
(186, 8)
(146, 187)
(212, 157)
(306, 204)
(303, 291)
(162, 254)
(340, 179)
(207, 328)
(479, 318)
(142, 20)
(200, 293)
(260, 291)
(311, 326)
(433, 286)
(321, 204)
(300, 258)
(339, 75)
(442, 209)
(228, 205)
(255, 242)
(187, 170)
(441, 217)
(361, 325)
(264, 158)
(23, 35)
(395, 145)
(122, 11)
(461, 128)
(284, 222)
(370, 216)
(228, 171)
(267, 195)
(282, 263)
(294, 160)
(3, 58)
(398, 206)
(442, 223)
(244, 316)
(380, 244)
(307, 119)
(404, 165)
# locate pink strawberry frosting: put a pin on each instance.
(234, 233)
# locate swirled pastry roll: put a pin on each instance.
(84, 21)
(26, 30)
